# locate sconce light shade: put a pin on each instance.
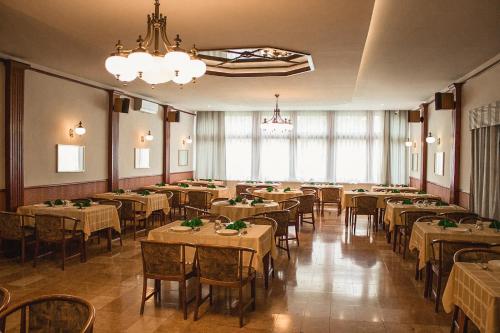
(80, 130)
(408, 143)
(189, 140)
(149, 136)
(430, 138)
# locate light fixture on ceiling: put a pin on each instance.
(187, 140)
(277, 123)
(155, 67)
(408, 143)
(79, 130)
(430, 138)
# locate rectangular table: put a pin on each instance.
(477, 293)
(152, 202)
(424, 233)
(202, 182)
(390, 188)
(218, 192)
(259, 237)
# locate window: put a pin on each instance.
(312, 140)
(238, 127)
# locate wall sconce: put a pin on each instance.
(430, 138)
(147, 137)
(79, 130)
(408, 143)
(187, 140)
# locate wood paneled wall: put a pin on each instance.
(36, 194)
(441, 191)
(2, 200)
(132, 183)
(178, 176)
(414, 182)
(464, 199)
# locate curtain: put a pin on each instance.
(210, 145)
(241, 146)
(485, 174)
(395, 151)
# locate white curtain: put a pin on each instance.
(395, 151)
(210, 145)
(311, 141)
(239, 145)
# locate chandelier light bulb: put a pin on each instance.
(158, 73)
(140, 61)
(183, 78)
(127, 76)
(116, 64)
(177, 60)
(198, 68)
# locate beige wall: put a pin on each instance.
(440, 125)
(133, 125)
(2, 125)
(415, 132)
(179, 131)
(52, 107)
(481, 90)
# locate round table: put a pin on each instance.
(278, 195)
(239, 211)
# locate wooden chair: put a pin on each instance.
(4, 300)
(306, 207)
(404, 231)
(282, 218)
(418, 271)
(160, 214)
(364, 205)
(224, 266)
(192, 212)
(457, 216)
(12, 227)
(241, 188)
(177, 202)
(262, 220)
(200, 199)
(58, 230)
(306, 190)
(479, 255)
(292, 205)
(219, 200)
(331, 195)
(443, 252)
(426, 200)
(474, 220)
(133, 211)
(165, 262)
(52, 313)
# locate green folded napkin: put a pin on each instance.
(211, 186)
(270, 189)
(287, 189)
(236, 225)
(82, 203)
(421, 192)
(232, 202)
(447, 224)
(238, 198)
(193, 223)
(407, 202)
(256, 201)
(160, 184)
(495, 225)
(144, 192)
(442, 203)
(395, 191)
(119, 191)
(360, 190)
(183, 185)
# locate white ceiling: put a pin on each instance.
(368, 54)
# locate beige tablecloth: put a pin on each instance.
(348, 195)
(152, 202)
(390, 188)
(393, 210)
(278, 195)
(275, 184)
(94, 218)
(424, 233)
(218, 192)
(203, 182)
(240, 211)
(477, 293)
(259, 238)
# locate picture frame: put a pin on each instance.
(70, 158)
(183, 157)
(414, 162)
(141, 158)
(439, 163)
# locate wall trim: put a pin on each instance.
(64, 184)
(133, 177)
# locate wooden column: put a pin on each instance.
(113, 138)
(14, 117)
(424, 114)
(166, 144)
(456, 116)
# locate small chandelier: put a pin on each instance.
(155, 67)
(276, 123)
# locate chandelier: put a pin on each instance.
(155, 67)
(276, 123)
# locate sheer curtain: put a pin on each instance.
(311, 140)
(240, 145)
(275, 154)
(395, 151)
(210, 145)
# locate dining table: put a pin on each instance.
(257, 237)
(277, 194)
(152, 202)
(377, 188)
(203, 182)
(259, 183)
(475, 289)
(241, 210)
(217, 191)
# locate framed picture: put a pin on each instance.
(414, 162)
(439, 163)
(183, 157)
(142, 158)
(70, 158)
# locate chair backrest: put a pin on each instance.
(426, 200)
(380, 190)
(365, 204)
(53, 313)
(130, 207)
(4, 299)
(408, 190)
(291, 205)
(161, 260)
(223, 264)
(115, 203)
(52, 228)
(11, 225)
(443, 251)
(242, 188)
(428, 218)
(474, 220)
(192, 212)
(178, 198)
(199, 199)
(479, 255)
(394, 198)
(330, 194)
(410, 217)
(306, 203)
(309, 190)
(219, 199)
(282, 218)
(168, 193)
(457, 216)
(262, 220)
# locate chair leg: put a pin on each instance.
(287, 247)
(144, 289)
(183, 297)
(63, 253)
(158, 290)
(313, 220)
(37, 248)
(240, 305)
(405, 245)
(23, 250)
(297, 232)
(210, 298)
(82, 248)
(428, 280)
(253, 293)
(198, 299)
(438, 293)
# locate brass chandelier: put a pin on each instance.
(156, 67)
(276, 123)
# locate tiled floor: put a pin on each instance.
(334, 282)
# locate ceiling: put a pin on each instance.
(368, 54)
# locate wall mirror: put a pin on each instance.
(70, 158)
(142, 158)
(183, 158)
(414, 162)
(439, 163)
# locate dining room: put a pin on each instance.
(285, 166)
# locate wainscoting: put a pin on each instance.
(464, 199)
(414, 182)
(441, 191)
(178, 176)
(132, 183)
(37, 194)
(2, 199)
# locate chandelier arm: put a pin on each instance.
(148, 38)
(163, 34)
